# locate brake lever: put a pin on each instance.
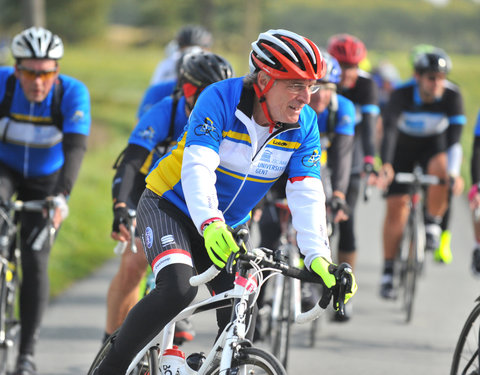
(341, 287)
(240, 236)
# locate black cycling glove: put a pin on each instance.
(121, 215)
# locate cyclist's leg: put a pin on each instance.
(396, 217)
(34, 290)
(437, 199)
(123, 292)
(346, 242)
(443, 253)
(167, 244)
(476, 250)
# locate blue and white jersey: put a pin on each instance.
(220, 168)
(154, 127)
(30, 142)
(345, 117)
(154, 94)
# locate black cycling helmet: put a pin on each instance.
(203, 68)
(194, 35)
(433, 61)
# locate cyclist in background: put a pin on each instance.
(423, 120)
(162, 89)
(359, 87)
(44, 125)
(336, 124)
(155, 134)
(187, 36)
(242, 134)
(474, 197)
(443, 253)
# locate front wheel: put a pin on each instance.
(254, 361)
(466, 358)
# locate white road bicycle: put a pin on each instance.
(233, 353)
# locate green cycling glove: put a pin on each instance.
(320, 266)
(219, 242)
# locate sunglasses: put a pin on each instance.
(34, 74)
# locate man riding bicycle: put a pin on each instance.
(423, 120)
(155, 134)
(242, 134)
(44, 125)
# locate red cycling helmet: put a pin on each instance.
(284, 54)
(347, 49)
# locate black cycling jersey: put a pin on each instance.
(365, 97)
(415, 131)
(405, 113)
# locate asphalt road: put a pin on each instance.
(376, 341)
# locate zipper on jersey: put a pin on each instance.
(273, 135)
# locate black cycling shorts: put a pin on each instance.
(411, 150)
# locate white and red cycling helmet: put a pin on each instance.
(284, 54)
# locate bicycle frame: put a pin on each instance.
(412, 252)
(234, 332)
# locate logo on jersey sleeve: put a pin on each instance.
(207, 128)
(147, 134)
(312, 160)
(78, 116)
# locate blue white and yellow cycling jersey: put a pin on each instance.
(31, 143)
(154, 94)
(154, 127)
(219, 169)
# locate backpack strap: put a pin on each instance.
(56, 111)
(161, 147)
(7, 98)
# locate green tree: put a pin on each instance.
(78, 20)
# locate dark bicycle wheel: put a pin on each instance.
(254, 361)
(147, 366)
(280, 324)
(411, 270)
(466, 358)
(9, 324)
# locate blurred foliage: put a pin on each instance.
(386, 24)
(73, 20)
(389, 24)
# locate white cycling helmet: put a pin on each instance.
(37, 43)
